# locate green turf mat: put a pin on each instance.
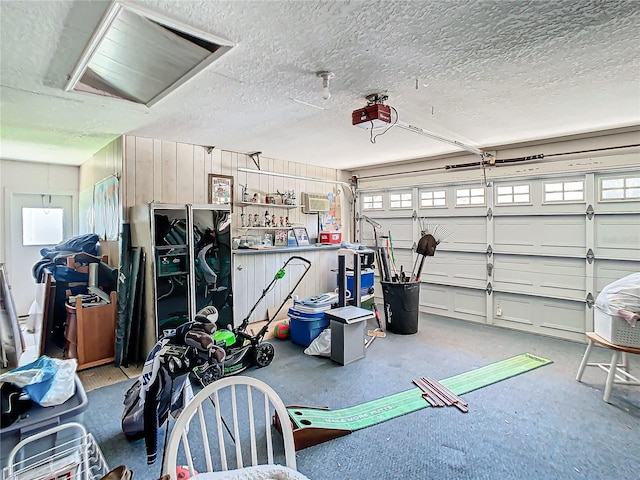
(386, 408)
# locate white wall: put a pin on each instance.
(29, 177)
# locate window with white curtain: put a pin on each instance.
(512, 194)
(400, 200)
(435, 198)
(469, 197)
(619, 189)
(555, 192)
(372, 202)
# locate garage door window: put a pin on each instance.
(511, 194)
(619, 189)
(400, 200)
(564, 192)
(372, 202)
(469, 197)
(437, 198)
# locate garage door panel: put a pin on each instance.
(470, 303)
(434, 297)
(456, 268)
(513, 309)
(608, 271)
(455, 302)
(542, 235)
(553, 317)
(468, 234)
(559, 315)
(552, 276)
(617, 236)
(401, 230)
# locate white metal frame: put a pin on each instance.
(80, 454)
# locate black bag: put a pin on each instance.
(133, 414)
(11, 404)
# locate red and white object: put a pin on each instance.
(330, 237)
(372, 116)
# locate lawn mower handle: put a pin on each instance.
(308, 262)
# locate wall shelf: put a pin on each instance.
(274, 205)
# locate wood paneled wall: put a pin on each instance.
(171, 172)
(106, 162)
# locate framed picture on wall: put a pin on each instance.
(302, 237)
(220, 189)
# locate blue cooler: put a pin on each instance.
(307, 319)
(305, 327)
(366, 282)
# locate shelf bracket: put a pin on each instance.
(255, 156)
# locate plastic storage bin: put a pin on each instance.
(305, 327)
(40, 419)
(615, 329)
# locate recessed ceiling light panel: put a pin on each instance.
(141, 56)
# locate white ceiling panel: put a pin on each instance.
(483, 72)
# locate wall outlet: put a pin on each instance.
(498, 310)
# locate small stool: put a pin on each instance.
(616, 372)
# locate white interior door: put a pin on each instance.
(37, 221)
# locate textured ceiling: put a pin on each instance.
(483, 72)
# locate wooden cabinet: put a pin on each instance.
(90, 333)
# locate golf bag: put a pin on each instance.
(164, 387)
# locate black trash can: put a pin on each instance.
(401, 303)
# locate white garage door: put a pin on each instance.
(529, 254)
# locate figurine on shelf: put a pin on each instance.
(242, 218)
(288, 224)
(290, 197)
(255, 198)
(281, 221)
(256, 223)
(245, 194)
(266, 218)
(273, 220)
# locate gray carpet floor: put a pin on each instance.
(538, 425)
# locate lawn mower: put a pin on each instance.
(242, 349)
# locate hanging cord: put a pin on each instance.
(373, 137)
